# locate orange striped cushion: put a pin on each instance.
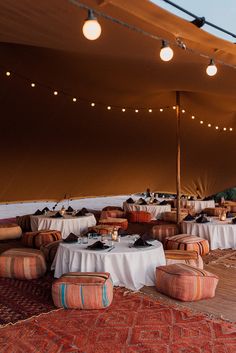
(161, 231)
(188, 257)
(102, 229)
(213, 211)
(116, 222)
(139, 216)
(83, 290)
(22, 263)
(187, 242)
(185, 283)
(36, 239)
(112, 214)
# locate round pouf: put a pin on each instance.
(83, 290)
(187, 242)
(22, 263)
(37, 239)
(116, 222)
(101, 229)
(162, 231)
(185, 282)
(10, 231)
(188, 257)
(139, 216)
(112, 214)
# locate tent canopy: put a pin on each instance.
(51, 146)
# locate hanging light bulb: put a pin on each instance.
(211, 69)
(91, 28)
(166, 53)
(123, 110)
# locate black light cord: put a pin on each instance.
(196, 17)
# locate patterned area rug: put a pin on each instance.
(226, 257)
(21, 299)
(134, 323)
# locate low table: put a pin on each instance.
(66, 225)
(220, 234)
(155, 210)
(132, 268)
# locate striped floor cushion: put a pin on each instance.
(83, 290)
(188, 257)
(101, 229)
(36, 239)
(10, 231)
(185, 283)
(162, 231)
(187, 242)
(139, 216)
(117, 222)
(49, 250)
(22, 263)
(171, 216)
(112, 214)
(213, 211)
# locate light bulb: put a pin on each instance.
(55, 93)
(91, 28)
(230, 129)
(123, 110)
(193, 117)
(183, 111)
(74, 99)
(209, 125)
(150, 110)
(92, 104)
(161, 110)
(32, 84)
(136, 110)
(174, 107)
(201, 122)
(108, 108)
(8, 73)
(217, 127)
(211, 69)
(224, 129)
(166, 53)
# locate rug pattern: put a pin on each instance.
(21, 299)
(134, 323)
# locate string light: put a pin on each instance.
(161, 109)
(211, 69)
(74, 99)
(183, 111)
(8, 73)
(224, 129)
(92, 104)
(217, 127)
(136, 110)
(55, 93)
(201, 122)
(33, 84)
(123, 110)
(91, 28)
(209, 125)
(166, 53)
(193, 117)
(108, 108)
(230, 129)
(150, 110)
(174, 107)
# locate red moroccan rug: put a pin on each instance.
(22, 299)
(132, 324)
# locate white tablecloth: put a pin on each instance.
(129, 267)
(155, 210)
(221, 235)
(66, 225)
(197, 204)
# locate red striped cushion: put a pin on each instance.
(117, 222)
(185, 283)
(188, 257)
(22, 263)
(83, 290)
(187, 242)
(49, 250)
(139, 216)
(161, 231)
(36, 239)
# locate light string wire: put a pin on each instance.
(178, 41)
(196, 17)
(122, 108)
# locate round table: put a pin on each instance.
(132, 268)
(155, 210)
(220, 234)
(199, 205)
(66, 225)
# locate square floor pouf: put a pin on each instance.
(185, 283)
(187, 242)
(83, 290)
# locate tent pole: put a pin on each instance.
(178, 186)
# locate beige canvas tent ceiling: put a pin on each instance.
(51, 146)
